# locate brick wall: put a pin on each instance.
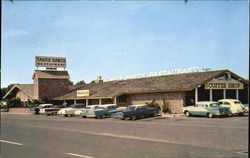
(176, 99)
(50, 88)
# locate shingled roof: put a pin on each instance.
(27, 89)
(167, 83)
(51, 74)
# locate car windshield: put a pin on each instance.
(214, 104)
(73, 106)
(130, 108)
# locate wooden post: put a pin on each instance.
(196, 95)
(237, 94)
(211, 94)
(224, 94)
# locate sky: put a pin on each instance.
(120, 38)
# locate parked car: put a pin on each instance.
(206, 108)
(69, 111)
(246, 108)
(52, 110)
(119, 109)
(83, 111)
(101, 111)
(36, 110)
(135, 111)
(234, 105)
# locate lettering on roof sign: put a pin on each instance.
(50, 62)
(224, 85)
(82, 93)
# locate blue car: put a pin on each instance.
(134, 112)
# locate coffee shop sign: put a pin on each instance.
(159, 73)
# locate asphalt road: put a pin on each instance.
(39, 136)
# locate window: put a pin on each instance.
(237, 102)
(226, 103)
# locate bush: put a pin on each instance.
(153, 104)
(35, 102)
(14, 103)
(165, 107)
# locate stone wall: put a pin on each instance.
(19, 110)
(50, 88)
(176, 99)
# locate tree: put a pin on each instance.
(80, 82)
(5, 90)
(70, 82)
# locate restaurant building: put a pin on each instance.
(177, 89)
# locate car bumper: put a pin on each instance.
(91, 116)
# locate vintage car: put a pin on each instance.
(83, 111)
(36, 110)
(234, 105)
(101, 111)
(119, 109)
(246, 108)
(69, 111)
(206, 108)
(135, 111)
(52, 110)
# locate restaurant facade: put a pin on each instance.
(177, 90)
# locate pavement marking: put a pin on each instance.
(77, 155)
(5, 141)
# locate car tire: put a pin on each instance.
(241, 114)
(187, 114)
(122, 118)
(155, 114)
(133, 118)
(65, 115)
(102, 116)
(210, 115)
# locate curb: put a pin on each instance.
(15, 113)
(172, 115)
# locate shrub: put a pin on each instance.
(153, 104)
(14, 102)
(165, 107)
(35, 102)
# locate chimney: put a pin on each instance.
(98, 79)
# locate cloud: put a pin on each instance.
(14, 33)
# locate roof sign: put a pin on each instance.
(50, 62)
(224, 85)
(82, 93)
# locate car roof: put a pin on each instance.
(138, 105)
(228, 100)
(206, 102)
(92, 105)
(45, 104)
(106, 105)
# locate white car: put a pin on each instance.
(69, 111)
(84, 110)
(235, 106)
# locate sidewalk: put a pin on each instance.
(172, 115)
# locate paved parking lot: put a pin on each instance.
(30, 136)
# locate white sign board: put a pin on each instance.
(82, 93)
(50, 62)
